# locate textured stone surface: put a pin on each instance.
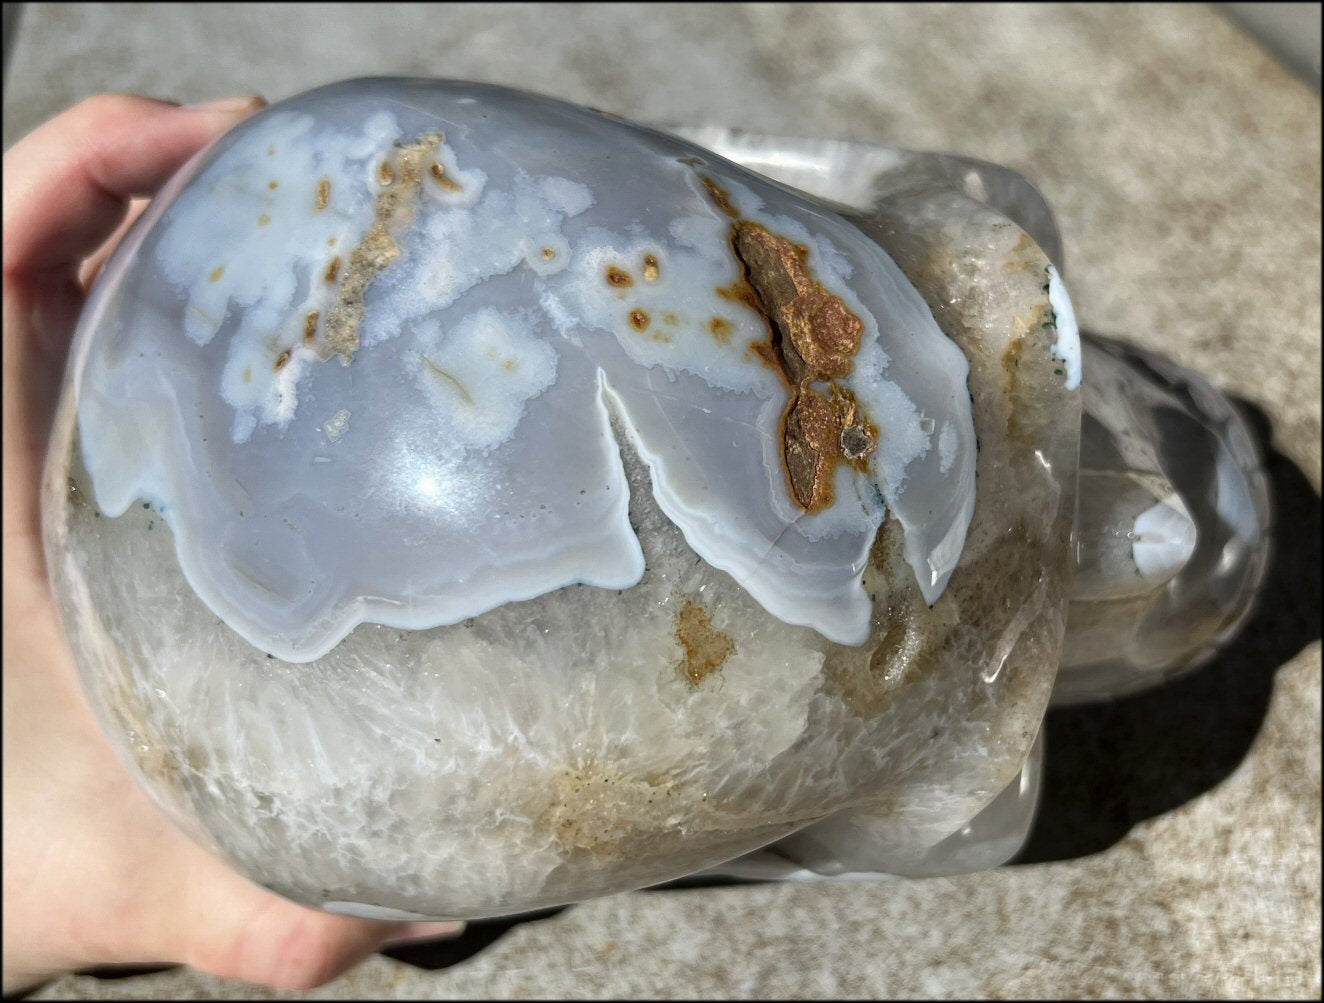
(1179, 844)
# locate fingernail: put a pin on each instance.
(412, 933)
(235, 104)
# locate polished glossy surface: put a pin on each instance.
(783, 611)
(409, 309)
(1186, 858)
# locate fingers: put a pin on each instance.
(230, 927)
(66, 188)
(92, 265)
(420, 932)
(67, 184)
(288, 946)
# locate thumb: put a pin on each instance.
(230, 927)
(68, 183)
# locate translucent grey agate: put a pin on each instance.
(433, 509)
(1172, 532)
(549, 620)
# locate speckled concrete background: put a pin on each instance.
(1178, 850)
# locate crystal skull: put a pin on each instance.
(463, 502)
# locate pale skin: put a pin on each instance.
(94, 872)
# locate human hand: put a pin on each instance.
(94, 872)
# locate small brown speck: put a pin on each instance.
(271, 151)
(638, 319)
(720, 328)
(650, 268)
(385, 172)
(248, 373)
(216, 273)
(439, 175)
(330, 241)
(332, 267)
(310, 327)
(282, 358)
(619, 277)
(323, 197)
(549, 253)
(273, 184)
(263, 220)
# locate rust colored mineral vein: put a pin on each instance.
(811, 441)
(378, 248)
(720, 198)
(814, 338)
(820, 335)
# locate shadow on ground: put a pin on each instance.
(477, 937)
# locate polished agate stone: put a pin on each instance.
(1172, 528)
(463, 502)
(406, 333)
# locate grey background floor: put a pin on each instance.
(1178, 847)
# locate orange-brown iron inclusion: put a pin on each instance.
(812, 339)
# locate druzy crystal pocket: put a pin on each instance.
(464, 501)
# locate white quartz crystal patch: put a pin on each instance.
(1163, 540)
(1067, 345)
(457, 245)
(480, 374)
